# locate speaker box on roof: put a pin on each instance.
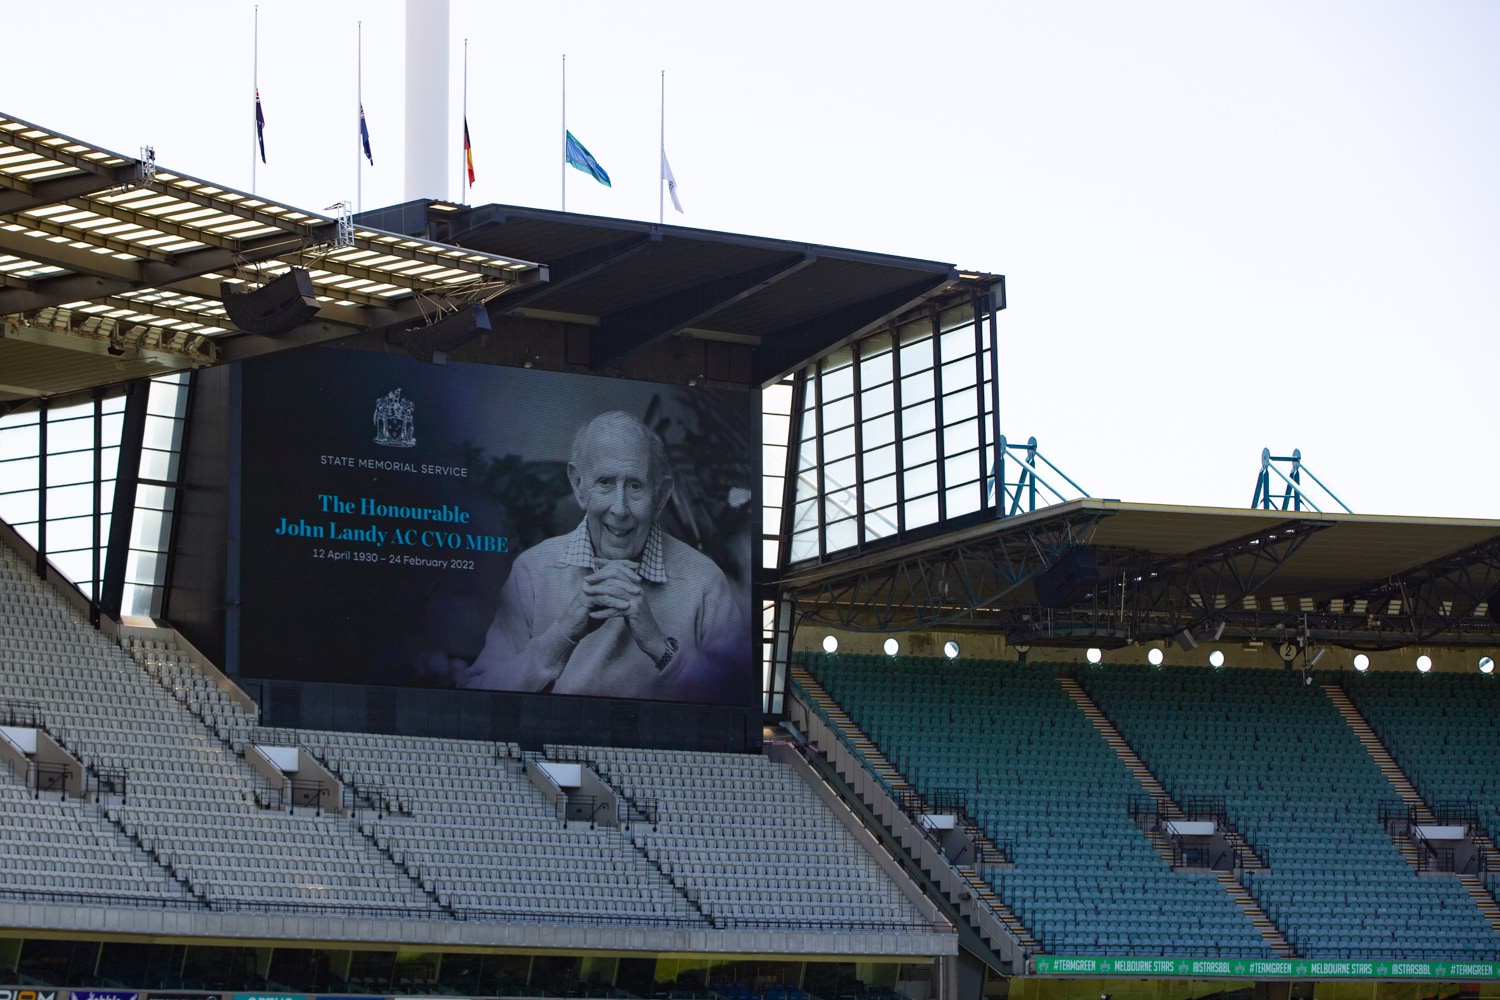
(1068, 580)
(274, 308)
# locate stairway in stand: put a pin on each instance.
(896, 781)
(1172, 810)
(1393, 772)
(1388, 767)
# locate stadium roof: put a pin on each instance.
(635, 283)
(1356, 579)
(111, 267)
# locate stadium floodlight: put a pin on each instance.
(1361, 662)
(1155, 656)
(1424, 663)
(1486, 665)
(892, 647)
(830, 644)
(1216, 659)
(1094, 654)
(950, 649)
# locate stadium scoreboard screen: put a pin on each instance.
(472, 527)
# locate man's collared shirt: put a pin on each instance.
(690, 598)
(578, 550)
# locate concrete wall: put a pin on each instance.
(311, 931)
(48, 752)
(331, 798)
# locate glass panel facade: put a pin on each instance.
(49, 453)
(895, 433)
(156, 496)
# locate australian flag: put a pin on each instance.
(364, 134)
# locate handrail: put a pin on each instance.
(21, 712)
(57, 777)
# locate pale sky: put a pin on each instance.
(1224, 226)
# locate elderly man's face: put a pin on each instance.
(615, 490)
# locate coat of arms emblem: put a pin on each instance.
(393, 421)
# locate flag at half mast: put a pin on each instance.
(364, 134)
(666, 175)
(468, 152)
(260, 127)
(581, 159)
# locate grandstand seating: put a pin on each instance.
(1304, 793)
(438, 827)
(1036, 775)
(710, 836)
(1444, 731)
(190, 802)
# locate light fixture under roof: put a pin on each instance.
(1094, 654)
(1486, 665)
(892, 647)
(1361, 662)
(950, 649)
(830, 644)
(1216, 659)
(1155, 656)
(1424, 663)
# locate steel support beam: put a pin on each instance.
(792, 347)
(959, 585)
(630, 329)
(568, 271)
(60, 189)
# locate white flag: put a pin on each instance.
(666, 175)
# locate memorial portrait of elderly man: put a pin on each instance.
(617, 607)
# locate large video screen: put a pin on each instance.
(502, 529)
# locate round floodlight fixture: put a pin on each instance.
(1094, 654)
(1216, 659)
(892, 647)
(1424, 663)
(1486, 665)
(830, 644)
(1155, 656)
(1361, 662)
(950, 649)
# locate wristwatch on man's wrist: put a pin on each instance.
(666, 657)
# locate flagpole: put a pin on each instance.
(359, 135)
(255, 79)
(565, 132)
(463, 167)
(661, 198)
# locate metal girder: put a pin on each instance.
(621, 332)
(80, 235)
(111, 277)
(321, 230)
(1428, 600)
(61, 189)
(238, 244)
(103, 275)
(791, 347)
(1196, 587)
(572, 269)
(957, 585)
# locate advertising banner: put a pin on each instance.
(1296, 968)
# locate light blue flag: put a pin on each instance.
(582, 159)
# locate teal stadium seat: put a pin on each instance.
(1037, 776)
(1306, 795)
